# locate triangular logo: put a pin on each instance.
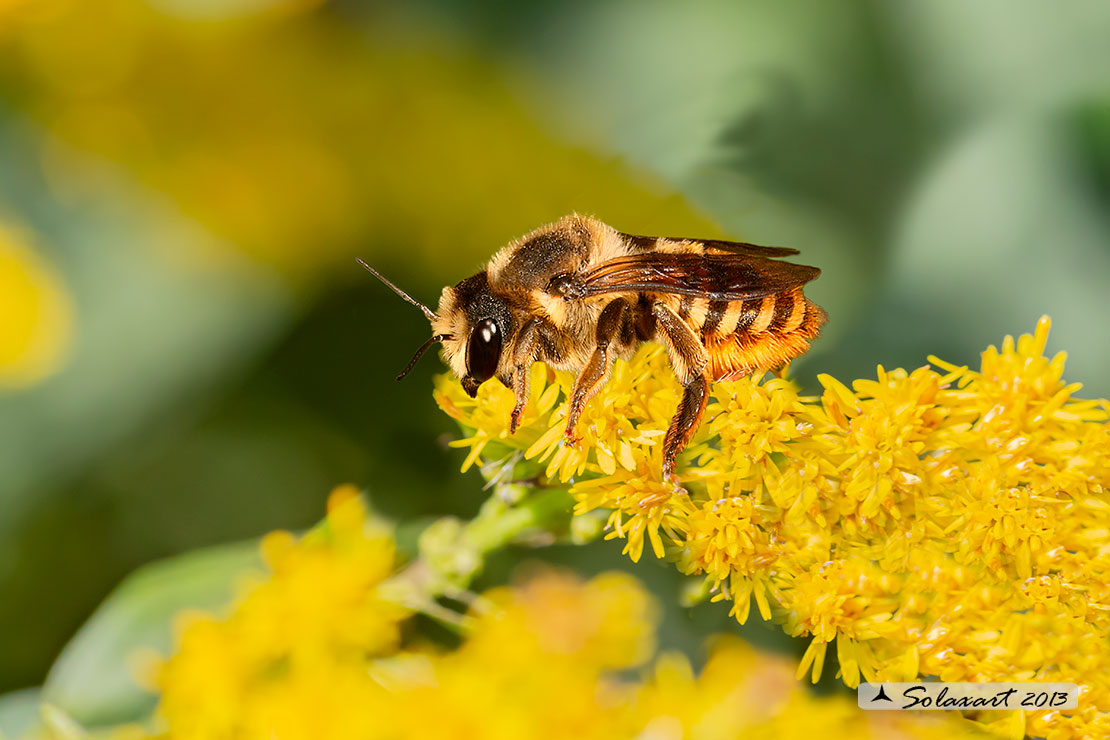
(881, 696)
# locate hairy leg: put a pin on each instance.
(689, 360)
(522, 372)
(593, 376)
(695, 396)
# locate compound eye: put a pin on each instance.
(483, 350)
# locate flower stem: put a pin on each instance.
(452, 552)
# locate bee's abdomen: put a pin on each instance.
(762, 333)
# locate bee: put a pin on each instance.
(577, 293)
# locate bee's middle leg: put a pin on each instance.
(690, 362)
(593, 376)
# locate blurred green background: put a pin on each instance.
(190, 355)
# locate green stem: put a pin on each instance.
(452, 552)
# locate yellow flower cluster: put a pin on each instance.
(313, 651)
(945, 522)
(291, 659)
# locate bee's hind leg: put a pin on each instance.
(695, 396)
(690, 361)
(593, 376)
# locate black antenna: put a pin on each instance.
(427, 311)
(420, 352)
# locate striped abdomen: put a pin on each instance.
(762, 333)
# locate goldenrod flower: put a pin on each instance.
(311, 651)
(743, 694)
(943, 522)
(292, 656)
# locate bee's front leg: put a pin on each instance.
(689, 361)
(593, 376)
(523, 358)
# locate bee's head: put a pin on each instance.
(475, 325)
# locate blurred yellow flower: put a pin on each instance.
(944, 522)
(341, 136)
(310, 651)
(9, 6)
(35, 313)
(293, 653)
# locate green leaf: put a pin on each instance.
(92, 679)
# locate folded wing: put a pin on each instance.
(716, 276)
